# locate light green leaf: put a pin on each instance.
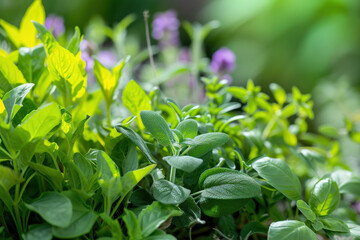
(229, 185)
(154, 215)
(16, 97)
(135, 99)
(10, 75)
(132, 225)
(278, 92)
(8, 177)
(206, 142)
(290, 229)
(68, 72)
(53, 207)
(31, 62)
(43, 232)
(279, 175)
(74, 44)
(52, 175)
(46, 37)
(169, 193)
(325, 197)
(188, 128)
(185, 163)
(306, 210)
(157, 126)
(108, 80)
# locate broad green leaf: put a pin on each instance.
(135, 99)
(188, 128)
(228, 185)
(137, 139)
(10, 75)
(185, 163)
(27, 107)
(41, 122)
(108, 175)
(279, 175)
(31, 62)
(290, 229)
(16, 97)
(317, 225)
(325, 197)
(35, 12)
(53, 207)
(221, 207)
(227, 226)
(306, 210)
(238, 92)
(36, 232)
(131, 161)
(114, 226)
(52, 175)
(347, 182)
(132, 225)
(154, 215)
(82, 225)
(8, 177)
(169, 193)
(46, 37)
(334, 224)
(278, 92)
(108, 80)
(160, 235)
(132, 178)
(353, 234)
(206, 142)
(68, 73)
(157, 126)
(213, 171)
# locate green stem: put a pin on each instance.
(108, 115)
(17, 200)
(25, 185)
(268, 128)
(172, 174)
(117, 206)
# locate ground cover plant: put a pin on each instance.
(80, 162)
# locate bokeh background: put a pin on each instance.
(311, 44)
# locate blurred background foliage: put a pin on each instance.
(311, 44)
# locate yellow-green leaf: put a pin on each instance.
(108, 80)
(10, 75)
(68, 74)
(35, 12)
(12, 33)
(135, 99)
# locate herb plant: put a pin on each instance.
(241, 165)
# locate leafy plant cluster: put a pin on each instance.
(240, 165)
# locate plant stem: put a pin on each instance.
(268, 128)
(148, 42)
(108, 114)
(172, 174)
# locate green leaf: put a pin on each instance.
(278, 92)
(108, 175)
(31, 62)
(221, 207)
(278, 174)
(137, 139)
(10, 76)
(290, 229)
(306, 210)
(6, 198)
(334, 224)
(206, 142)
(114, 226)
(77, 228)
(213, 171)
(46, 37)
(185, 163)
(169, 193)
(191, 213)
(131, 179)
(68, 72)
(53, 207)
(176, 107)
(108, 80)
(154, 215)
(157, 126)
(188, 128)
(36, 232)
(8, 177)
(160, 235)
(135, 99)
(53, 176)
(40, 122)
(132, 225)
(325, 197)
(74, 44)
(317, 225)
(15, 97)
(353, 234)
(228, 185)
(252, 228)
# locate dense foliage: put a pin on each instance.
(84, 164)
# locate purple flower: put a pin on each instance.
(165, 28)
(356, 207)
(55, 24)
(107, 58)
(88, 61)
(185, 55)
(223, 61)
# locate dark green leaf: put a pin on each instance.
(132, 225)
(220, 207)
(334, 224)
(185, 163)
(290, 229)
(169, 193)
(206, 142)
